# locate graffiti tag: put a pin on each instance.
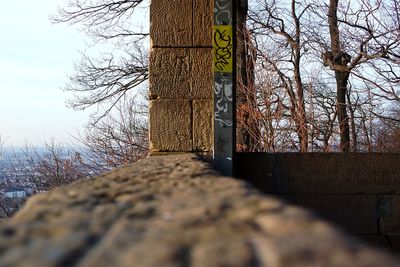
(223, 48)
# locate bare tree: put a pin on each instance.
(362, 52)
(272, 114)
(283, 40)
(281, 25)
(4, 210)
(248, 131)
(103, 80)
(323, 116)
(111, 81)
(48, 167)
(36, 169)
(388, 137)
(339, 60)
(9, 206)
(363, 47)
(120, 138)
(386, 134)
(106, 80)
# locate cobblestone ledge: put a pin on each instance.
(173, 211)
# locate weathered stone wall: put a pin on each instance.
(358, 191)
(173, 211)
(180, 75)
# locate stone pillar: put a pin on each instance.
(181, 81)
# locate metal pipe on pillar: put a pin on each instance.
(224, 67)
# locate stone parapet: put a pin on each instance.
(322, 173)
(358, 191)
(173, 211)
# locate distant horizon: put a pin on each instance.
(35, 61)
(6, 148)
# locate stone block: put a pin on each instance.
(355, 213)
(169, 87)
(169, 62)
(390, 220)
(202, 125)
(181, 73)
(201, 73)
(180, 87)
(202, 22)
(336, 173)
(201, 60)
(202, 86)
(170, 125)
(171, 23)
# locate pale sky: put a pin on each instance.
(35, 58)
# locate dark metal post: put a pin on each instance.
(224, 64)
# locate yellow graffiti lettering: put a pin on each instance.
(223, 48)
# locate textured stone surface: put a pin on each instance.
(170, 125)
(173, 211)
(171, 23)
(201, 59)
(181, 73)
(180, 87)
(201, 72)
(202, 22)
(170, 62)
(202, 86)
(169, 87)
(202, 125)
(180, 68)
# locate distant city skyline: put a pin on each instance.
(35, 58)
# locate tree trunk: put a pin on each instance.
(302, 127)
(354, 142)
(247, 127)
(341, 75)
(343, 119)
